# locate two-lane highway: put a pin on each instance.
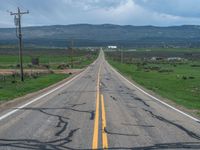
(95, 110)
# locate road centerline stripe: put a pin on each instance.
(96, 121)
(104, 134)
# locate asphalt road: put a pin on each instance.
(97, 109)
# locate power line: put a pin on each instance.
(17, 21)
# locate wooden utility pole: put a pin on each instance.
(72, 54)
(122, 55)
(17, 20)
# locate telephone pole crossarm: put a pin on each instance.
(21, 13)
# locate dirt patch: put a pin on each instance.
(67, 71)
(45, 71)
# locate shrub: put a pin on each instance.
(190, 77)
(165, 70)
(184, 77)
(35, 61)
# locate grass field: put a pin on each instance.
(177, 81)
(10, 62)
(9, 90)
(49, 58)
(52, 57)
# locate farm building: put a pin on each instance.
(112, 47)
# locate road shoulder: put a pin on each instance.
(8, 104)
(191, 112)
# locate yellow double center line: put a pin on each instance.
(104, 134)
(96, 121)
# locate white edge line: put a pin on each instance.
(36, 99)
(195, 119)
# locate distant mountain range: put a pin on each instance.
(106, 34)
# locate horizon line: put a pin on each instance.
(29, 26)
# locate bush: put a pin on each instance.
(165, 70)
(18, 65)
(35, 61)
(190, 77)
(63, 66)
(13, 81)
(195, 65)
(184, 77)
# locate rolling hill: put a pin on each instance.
(106, 34)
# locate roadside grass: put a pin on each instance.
(10, 62)
(182, 85)
(9, 90)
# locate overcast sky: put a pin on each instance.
(123, 12)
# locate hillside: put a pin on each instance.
(106, 34)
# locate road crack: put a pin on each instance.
(188, 132)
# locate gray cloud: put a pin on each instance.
(134, 12)
(183, 8)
